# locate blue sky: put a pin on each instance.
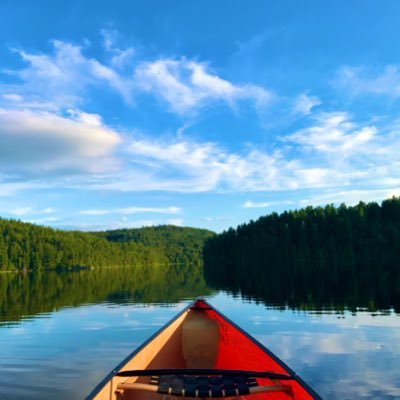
(195, 113)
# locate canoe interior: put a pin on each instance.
(200, 337)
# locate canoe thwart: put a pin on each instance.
(205, 372)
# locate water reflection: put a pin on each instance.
(24, 295)
(317, 293)
(62, 333)
(343, 356)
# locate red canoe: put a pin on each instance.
(202, 354)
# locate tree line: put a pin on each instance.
(25, 246)
(315, 254)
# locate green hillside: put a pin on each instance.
(25, 246)
(179, 244)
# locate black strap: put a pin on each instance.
(204, 371)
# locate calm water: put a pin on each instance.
(61, 333)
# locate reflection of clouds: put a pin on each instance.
(355, 357)
(366, 386)
(94, 326)
(366, 319)
(350, 358)
(259, 320)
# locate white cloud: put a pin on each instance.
(252, 204)
(175, 221)
(191, 166)
(334, 133)
(265, 204)
(43, 221)
(133, 210)
(8, 189)
(12, 97)
(338, 152)
(48, 210)
(305, 103)
(358, 81)
(95, 212)
(46, 133)
(120, 58)
(187, 85)
(122, 224)
(351, 197)
(43, 141)
(66, 74)
(20, 211)
(23, 210)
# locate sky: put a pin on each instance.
(195, 113)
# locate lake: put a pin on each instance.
(61, 333)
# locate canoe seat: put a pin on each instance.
(203, 386)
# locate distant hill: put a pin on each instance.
(179, 244)
(25, 246)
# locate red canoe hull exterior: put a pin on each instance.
(238, 350)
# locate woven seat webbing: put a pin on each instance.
(203, 386)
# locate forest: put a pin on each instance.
(317, 255)
(180, 245)
(25, 246)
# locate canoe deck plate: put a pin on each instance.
(203, 386)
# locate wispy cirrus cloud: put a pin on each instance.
(334, 133)
(133, 210)
(192, 166)
(21, 211)
(252, 204)
(332, 152)
(339, 152)
(9, 186)
(12, 97)
(68, 74)
(187, 85)
(123, 224)
(363, 80)
(120, 58)
(351, 196)
(304, 104)
(46, 132)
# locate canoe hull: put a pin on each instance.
(201, 337)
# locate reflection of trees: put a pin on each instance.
(314, 257)
(31, 293)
